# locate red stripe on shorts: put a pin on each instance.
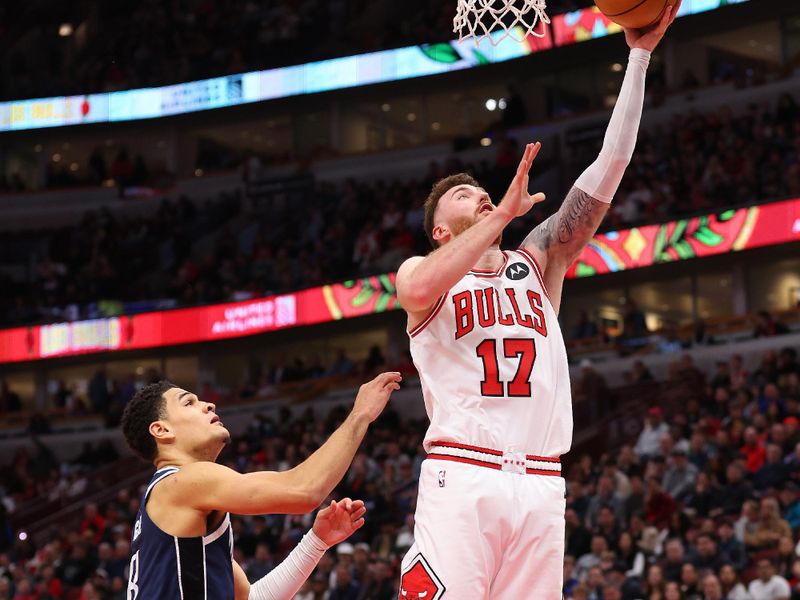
(467, 447)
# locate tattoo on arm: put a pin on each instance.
(575, 215)
(542, 235)
(571, 228)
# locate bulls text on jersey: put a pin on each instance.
(489, 306)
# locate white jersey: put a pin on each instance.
(493, 365)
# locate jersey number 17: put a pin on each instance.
(520, 385)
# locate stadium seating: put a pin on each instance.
(709, 458)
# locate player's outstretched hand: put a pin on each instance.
(373, 395)
(648, 39)
(337, 521)
(517, 201)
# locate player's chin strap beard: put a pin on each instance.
(461, 224)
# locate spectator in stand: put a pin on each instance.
(770, 527)
(712, 588)
(654, 583)
(707, 556)
(591, 559)
(655, 428)
(731, 586)
(342, 365)
(659, 506)
(768, 585)
(634, 327)
(590, 393)
(767, 326)
(379, 584)
(9, 399)
(738, 373)
(680, 476)
(346, 588)
(689, 584)
(773, 473)
(99, 396)
(585, 328)
(753, 450)
(640, 373)
(261, 564)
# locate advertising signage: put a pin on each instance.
(696, 237)
(165, 328)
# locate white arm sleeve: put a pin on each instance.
(604, 175)
(284, 580)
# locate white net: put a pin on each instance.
(515, 18)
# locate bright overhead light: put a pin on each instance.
(501, 104)
(436, 126)
(491, 104)
(386, 107)
(56, 157)
(486, 141)
(411, 117)
(617, 67)
(65, 30)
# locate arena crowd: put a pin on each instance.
(702, 504)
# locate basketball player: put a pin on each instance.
(182, 541)
(485, 339)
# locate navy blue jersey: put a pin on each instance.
(166, 567)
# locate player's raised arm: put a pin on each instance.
(208, 486)
(558, 241)
(422, 280)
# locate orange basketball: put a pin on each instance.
(636, 14)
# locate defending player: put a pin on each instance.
(486, 341)
(182, 541)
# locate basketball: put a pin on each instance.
(636, 14)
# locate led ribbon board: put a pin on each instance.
(696, 237)
(310, 78)
(164, 328)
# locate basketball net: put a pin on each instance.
(480, 18)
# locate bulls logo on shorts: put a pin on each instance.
(517, 271)
(419, 582)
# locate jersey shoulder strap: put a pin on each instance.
(158, 476)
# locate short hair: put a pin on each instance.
(438, 190)
(146, 406)
(768, 561)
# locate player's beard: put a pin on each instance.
(461, 224)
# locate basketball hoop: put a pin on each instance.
(481, 18)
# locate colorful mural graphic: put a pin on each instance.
(696, 237)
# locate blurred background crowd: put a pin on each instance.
(705, 497)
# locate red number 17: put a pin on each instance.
(520, 386)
